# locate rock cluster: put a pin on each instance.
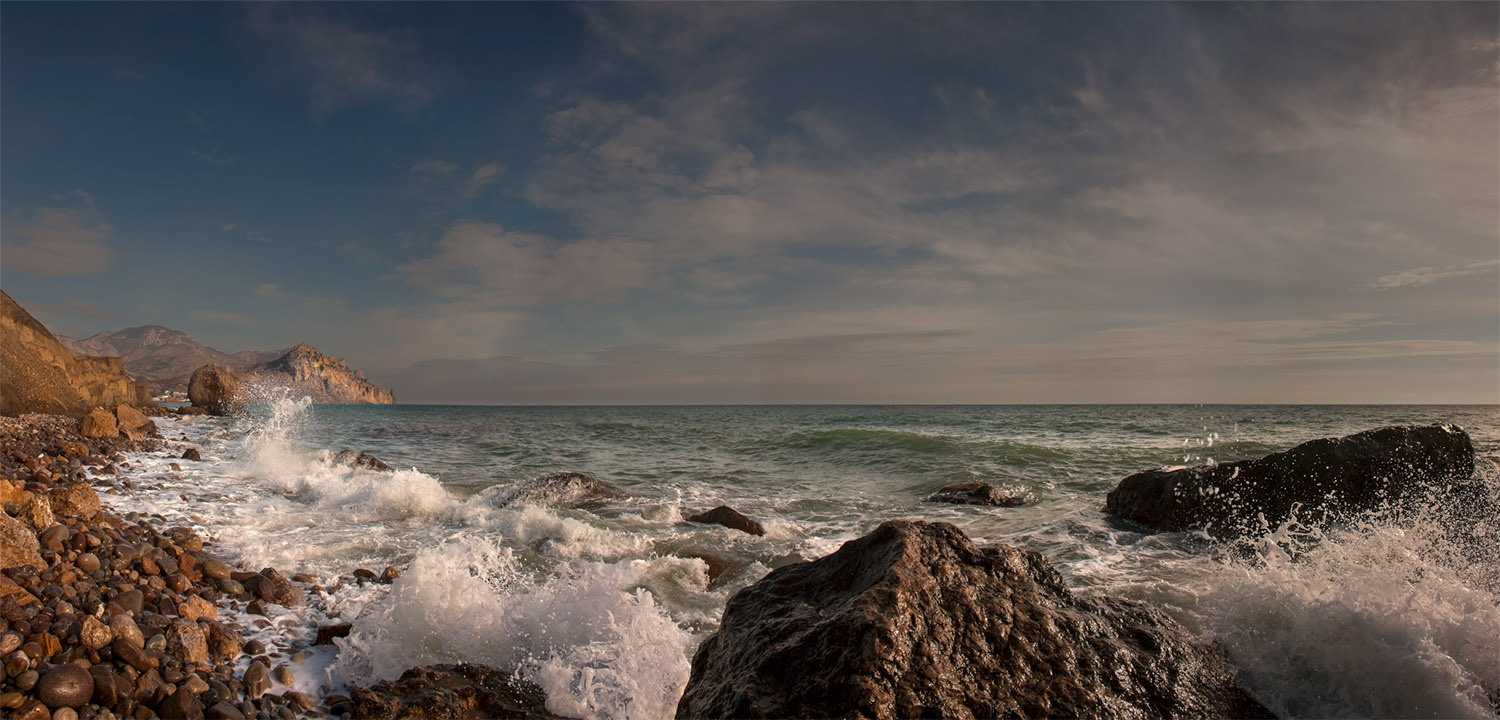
(559, 489)
(914, 620)
(976, 493)
(109, 617)
(451, 692)
(1390, 469)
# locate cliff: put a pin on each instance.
(38, 374)
(306, 371)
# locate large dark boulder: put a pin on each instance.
(451, 692)
(1392, 468)
(216, 389)
(730, 518)
(914, 620)
(559, 489)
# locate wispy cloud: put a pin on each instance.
(57, 241)
(346, 63)
(482, 176)
(1417, 277)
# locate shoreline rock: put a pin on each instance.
(217, 390)
(914, 620)
(1393, 468)
(730, 518)
(976, 493)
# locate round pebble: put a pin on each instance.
(65, 685)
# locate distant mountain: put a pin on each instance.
(307, 371)
(161, 357)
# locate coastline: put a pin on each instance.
(147, 615)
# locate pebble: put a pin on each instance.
(65, 685)
(283, 675)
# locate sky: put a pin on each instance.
(511, 203)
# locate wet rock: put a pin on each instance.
(389, 574)
(1392, 468)
(914, 620)
(283, 675)
(326, 633)
(563, 489)
(217, 390)
(131, 600)
(191, 454)
(976, 493)
(123, 627)
(350, 458)
(270, 586)
(215, 568)
(133, 655)
(223, 711)
(257, 679)
(191, 410)
(181, 705)
(99, 423)
(88, 562)
(32, 710)
(193, 607)
(108, 687)
(451, 691)
(223, 644)
(133, 424)
(730, 518)
(18, 545)
(187, 641)
(65, 685)
(94, 634)
(76, 500)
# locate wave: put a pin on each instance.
(859, 439)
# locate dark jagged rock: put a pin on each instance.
(352, 458)
(976, 493)
(452, 692)
(217, 389)
(1391, 468)
(326, 633)
(192, 454)
(730, 518)
(561, 489)
(914, 620)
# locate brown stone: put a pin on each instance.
(133, 424)
(65, 685)
(99, 423)
(9, 588)
(217, 390)
(452, 691)
(181, 705)
(18, 545)
(95, 634)
(730, 518)
(193, 607)
(76, 500)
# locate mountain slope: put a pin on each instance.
(307, 371)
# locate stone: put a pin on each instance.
(32, 710)
(217, 390)
(95, 634)
(132, 600)
(182, 704)
(65, 685)
(270, 586)
(561, 490)
(1393, 469)
(350, 458)
(976, 493)
(18, 545)
(223, 644)
(187, 641)
(257, 679)
(36, 510)
(192, 454)
(20, 595)
(193, 607)
(76, 500)
(132, 654)
(914, 620)
(88, 562)
(389, 574)
(283, 675)
(133, 424)
(99, 423)
(223, 711)
(326, 633)
(215, 568)
(123, 627)
(108, 687)
(730, 518)
(451, 691)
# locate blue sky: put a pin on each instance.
(622, 203)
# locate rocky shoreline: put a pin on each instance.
(110, 616)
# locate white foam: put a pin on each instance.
(589, 635)
(1361, 623)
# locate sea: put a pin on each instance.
(603, 607)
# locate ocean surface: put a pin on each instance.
(604, 607)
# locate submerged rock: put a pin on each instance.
(976, 493)
(914, 620)
(452, 692)
(217, 390)
(1394, 468)
(350, 458)
(730, 518)
(561, 489)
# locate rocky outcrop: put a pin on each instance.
(730, 518)
(560, 489)
(306, 371)
(39, 375)
(976, 493)
(1389, 469)
(914, 620)
(217, 390)
(356, 459)
(451, 692)
(161, 357)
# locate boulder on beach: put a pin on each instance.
(99, 423)
(18, 545)
(1392, 468)
(730, 518)
(351, 458)
(133, 424)
(216, 389)
(452, 692)
(976, 493)
(559, 489)
(914, 620)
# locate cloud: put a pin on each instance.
(57, 241)
(1417, 277)
(483, 175)
(231, 318)
(347, 64)
(270, 290)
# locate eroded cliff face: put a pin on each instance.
(39, 375)
(306, 371)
